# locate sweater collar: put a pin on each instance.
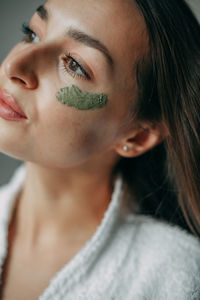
(8, 195)
(85, 259)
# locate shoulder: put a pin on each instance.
(164, 242)
(167, 257)
(15, 182)
(161, 234)
(9, 191)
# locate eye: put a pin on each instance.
(29, 35)
(74, 68)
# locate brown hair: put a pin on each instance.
(169, 92)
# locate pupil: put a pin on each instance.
(73, 65)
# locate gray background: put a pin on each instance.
(12, 14)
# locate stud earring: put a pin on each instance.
(125, 148)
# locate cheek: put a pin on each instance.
(65, 136)
(69, 135)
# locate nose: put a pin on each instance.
(20, 68)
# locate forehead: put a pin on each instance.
(98, 10)
(118, 23)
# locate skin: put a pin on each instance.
(73, 96)
(69, 153)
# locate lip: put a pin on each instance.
(9, 108)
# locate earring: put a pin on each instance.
(125, 148)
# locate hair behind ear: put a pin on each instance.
(169, 88)
(146, 176)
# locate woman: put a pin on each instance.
(81, 98)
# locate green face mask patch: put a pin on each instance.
(73, 96)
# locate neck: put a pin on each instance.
(56, 202)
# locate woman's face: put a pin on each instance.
(94, 45)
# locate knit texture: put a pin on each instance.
(130, 257)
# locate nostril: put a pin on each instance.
(28, 81)
(20, 72)
(19, 80)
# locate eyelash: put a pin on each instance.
(28, 33)
(67, 59)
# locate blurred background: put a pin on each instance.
(12, 14)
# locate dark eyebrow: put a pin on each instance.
(89, 41)
(79, 36)
(43, 13)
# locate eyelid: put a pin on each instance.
(37, 27)
(81, 63)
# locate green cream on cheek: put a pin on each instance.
(73, 96)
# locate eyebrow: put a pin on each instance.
(42, 13)
(89, 41)
(79, 36)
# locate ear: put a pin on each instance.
(140, 140)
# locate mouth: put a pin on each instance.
(9, 108)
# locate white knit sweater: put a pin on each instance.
(130, 257)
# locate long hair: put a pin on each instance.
(169, 91)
